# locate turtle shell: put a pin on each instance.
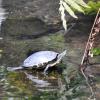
(40, 58)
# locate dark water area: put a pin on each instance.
(22, 36)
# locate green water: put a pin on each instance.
(32, 84)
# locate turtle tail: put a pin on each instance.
(14, 68)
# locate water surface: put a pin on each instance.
(32, 84)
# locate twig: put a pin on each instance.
(87, 82)
(87, 49)
(87, 53)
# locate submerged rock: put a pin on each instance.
(27, 28)
(46, 10)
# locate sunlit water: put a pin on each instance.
(2, 15)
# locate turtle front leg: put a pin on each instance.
(51, 65)
(45, 70)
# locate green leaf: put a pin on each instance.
(1, 50)
(82, 3)
(62, 11)
(96, 51)
(94, 6)
(74, 5)
(70, 6)
(69, 10)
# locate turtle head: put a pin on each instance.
(61, 55)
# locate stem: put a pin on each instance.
(89, 46)
(90, 36)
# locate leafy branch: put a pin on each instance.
(70, 6)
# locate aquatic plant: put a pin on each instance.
(73, 88)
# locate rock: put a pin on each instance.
(46, 10)
(32, 18)
(27, 28)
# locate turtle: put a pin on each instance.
(40, 59)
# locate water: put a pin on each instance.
(62, 81)
(32, 83)
(2, 15)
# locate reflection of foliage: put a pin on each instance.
(22, 87)
(45, 96)
(69, 5)
(96, 51)
(3, 82)
(19, 87)
(73, 87)
(94, 6)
